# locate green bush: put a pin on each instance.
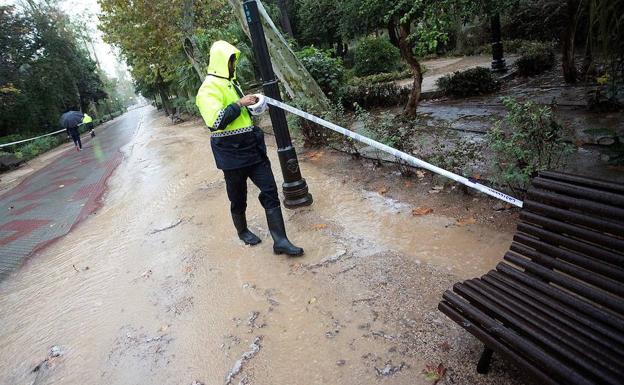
(527, 141)
(374, 55)
(327, 71)
(380, 78)
(536, 58)
(474, 81)
(375, 95)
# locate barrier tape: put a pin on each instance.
(399, 154)
(28, 140)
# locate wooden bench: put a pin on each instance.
(555, 306)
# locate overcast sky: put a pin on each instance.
(105, 54)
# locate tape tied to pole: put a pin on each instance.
(398, 154)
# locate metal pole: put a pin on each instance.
(498, 61)
(295, 188)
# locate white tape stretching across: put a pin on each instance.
(28, 140)
(399, 154)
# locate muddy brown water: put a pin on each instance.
(155, 288)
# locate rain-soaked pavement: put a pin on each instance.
(46, 204)
(155, 287)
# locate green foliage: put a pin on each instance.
(327, 71)
(375, 95)
(38, 146)
(380, 78)
(374, 55)
(317, 22)
(527, 141)
(474, 81)
(536, 58)
(44, 68)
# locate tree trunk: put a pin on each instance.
(567, 58)
(295, 78)
(285, 18)
(405, 47)
(164, 98)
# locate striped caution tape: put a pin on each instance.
(28, 140)
(399, 154)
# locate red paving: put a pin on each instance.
(49, 202)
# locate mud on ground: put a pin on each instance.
(155, 288)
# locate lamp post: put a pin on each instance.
(295, 188)
(498, 61)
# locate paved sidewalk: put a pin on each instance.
(49, 202)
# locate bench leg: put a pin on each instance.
(484, 362)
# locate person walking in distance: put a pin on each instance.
(71, 120)
(239, 148)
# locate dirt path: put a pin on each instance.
(156, 288)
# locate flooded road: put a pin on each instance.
(155, 287)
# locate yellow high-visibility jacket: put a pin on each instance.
(235, 141)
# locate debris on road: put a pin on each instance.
(248, 355)
(434, 373)
(178, 223)
(56, 351)
(390, 369)
(466, 221)
(422, 210)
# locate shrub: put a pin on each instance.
(527, 141)
(474, 81)
(536, 58)
(380, 78)
(375, 55)
(327, 71)
(375, 95)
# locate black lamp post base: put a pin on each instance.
(295, 188)
(499, 65)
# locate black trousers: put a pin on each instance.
(262, 176)
(76, 139)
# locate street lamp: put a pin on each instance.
(295, 188)
(498, 61)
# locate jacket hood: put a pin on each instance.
(220, 54)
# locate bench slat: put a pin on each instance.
(579, 233)
(603, 298)
(572, 244)
(591, 310)
(591, 328)
(609, 198)
(557, 336)
(539, 357)
(496, 345)
(584, 181)
(583, 205)
(602, 224)
(602, 282)
(581, 260)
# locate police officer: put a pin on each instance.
(238, 147)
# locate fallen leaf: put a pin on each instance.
(315, 155)
(445, 346)
(163, 328)
(466, 221)
(434, 373)
(320, 226)
(420, 174)
(476, 176)
(382, 190)
(312, 300)
(408, 184)
(420, 210)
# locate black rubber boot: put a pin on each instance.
(281, 244)
(240, 222)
